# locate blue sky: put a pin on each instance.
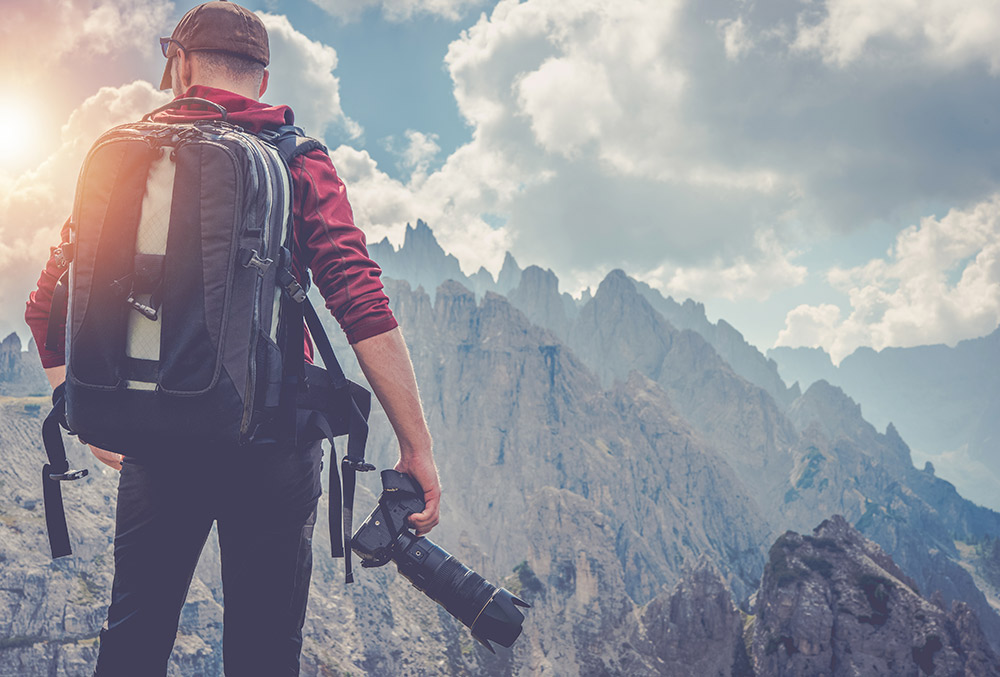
(817, 173)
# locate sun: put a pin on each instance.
(18, 134)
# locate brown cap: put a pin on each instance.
(219, 27)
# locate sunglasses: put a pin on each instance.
(165, 46)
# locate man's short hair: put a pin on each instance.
(231, 66)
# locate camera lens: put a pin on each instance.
(490, 613)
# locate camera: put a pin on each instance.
(490, 613)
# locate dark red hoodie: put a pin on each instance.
(326, 240)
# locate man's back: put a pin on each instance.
(263, 496)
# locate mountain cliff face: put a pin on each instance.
(527, 414)
(729, 343)
(618, 331)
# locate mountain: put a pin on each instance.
(944, 401)
(20, 371)
(423, 263)
(614, 470)
(834, 603)
(729, 343)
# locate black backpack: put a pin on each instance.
(183, 318)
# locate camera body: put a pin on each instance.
(491, 613)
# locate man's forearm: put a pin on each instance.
(386, 363)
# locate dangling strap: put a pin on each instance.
(56, 471)
(357, 401)
(57, 312)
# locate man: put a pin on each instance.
(263, 498)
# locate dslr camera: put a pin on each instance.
(491, 613)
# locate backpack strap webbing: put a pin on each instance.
(357, 402)
(57, 312)
(56, 471)
(291, 141)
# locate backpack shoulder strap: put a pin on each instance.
(291, 141)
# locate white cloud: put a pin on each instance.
(40, 32)
(940, 283)
(397, 10)
(767, 269)
(950, 32)
(576, 116)
(420, 150)
(302, 77)
(735, 38)
(34, 205)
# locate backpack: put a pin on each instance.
(183, 318)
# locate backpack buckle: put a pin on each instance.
(63, 254)
(356, 464)
(291, 286)
(69, 475)
(249, 258)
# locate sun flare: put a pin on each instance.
(18, 130)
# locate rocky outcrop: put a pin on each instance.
(834, 603)
(20, 371)
(696, 631)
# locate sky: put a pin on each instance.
(817, 172)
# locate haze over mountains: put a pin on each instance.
(944, 401)
(642, 476)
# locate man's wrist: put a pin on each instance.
(416, 450)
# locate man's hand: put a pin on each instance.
(425, 473)
(109, 458)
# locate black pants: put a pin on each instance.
(264, 500)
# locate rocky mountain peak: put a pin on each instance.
(537, 296)
(835, 603)
(20, 372)
(696, 629)
(615, 283)
(829, 407)
(510, 274)
(10, 356)
(421, 241)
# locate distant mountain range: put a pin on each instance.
(643, 477)
(944, 401)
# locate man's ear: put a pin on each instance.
(263, 84)
(182, 73)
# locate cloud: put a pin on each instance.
(581, 144)
(939, 283)
(397, 10)
(302, 77)
(420, 150)
(948, 32)
(735, 38)
(34, 205)
(766, 270)
(41, 32)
